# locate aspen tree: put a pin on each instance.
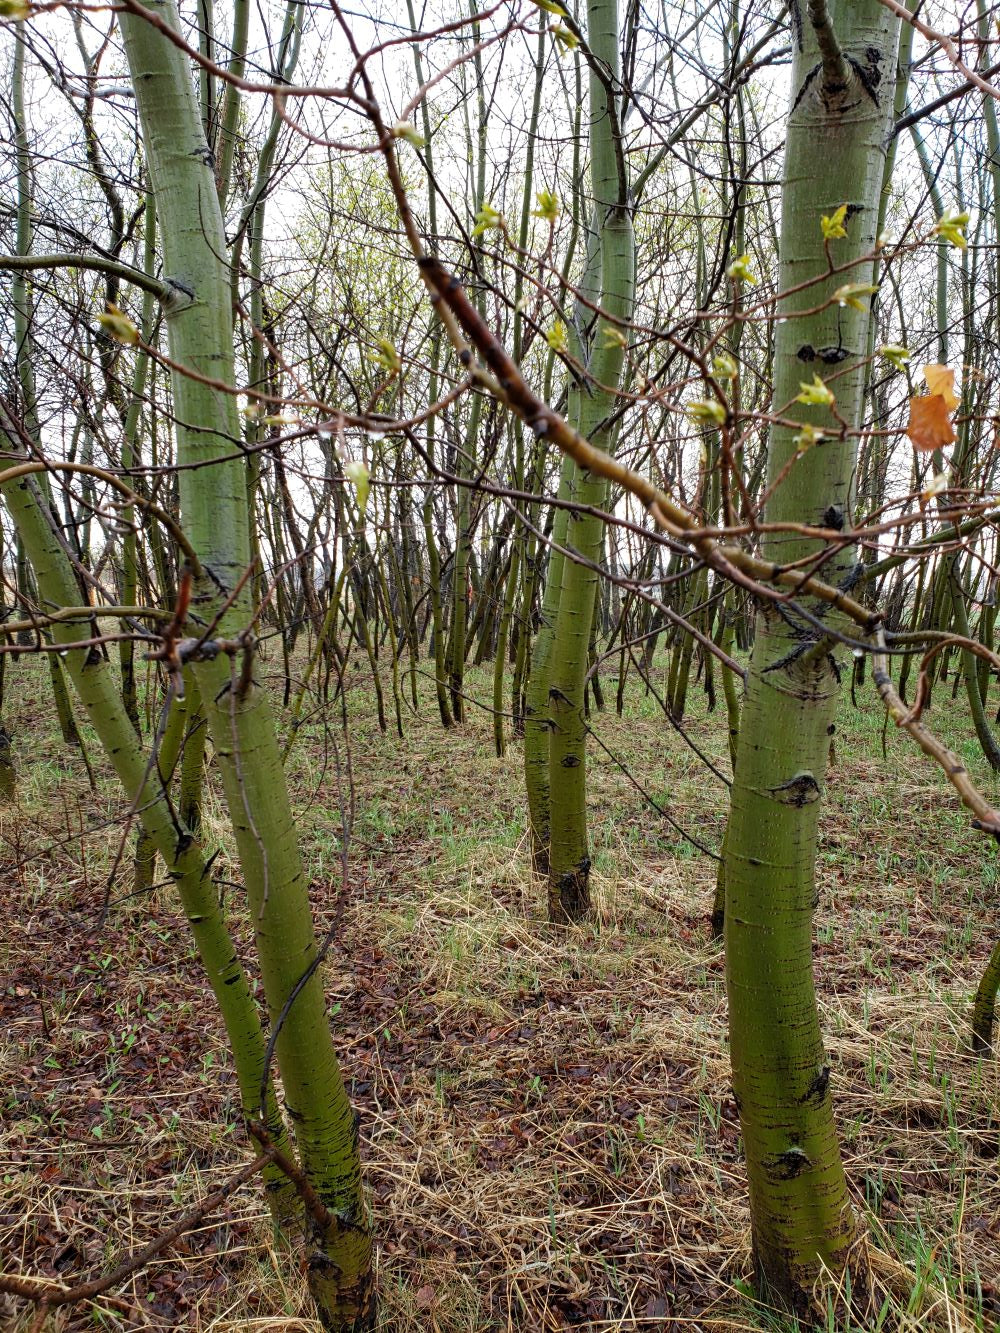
(215, 512)
(610, 284)
(841, 95)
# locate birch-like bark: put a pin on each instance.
(536, 690)
(215, 513)
(842, 90)
(614, 249)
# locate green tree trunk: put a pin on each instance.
(533, 663)
(536, 699)
(518, 574)
(214, 509)
(970, 672)
(802, 1221)
(569, 849)
(500, 656)
(433, 382)
(985, 1005)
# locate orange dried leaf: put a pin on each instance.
(941, 380)
(930, 425)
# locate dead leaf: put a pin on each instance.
(930, 425)
(426, 1297)
(941, 380)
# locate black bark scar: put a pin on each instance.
(788, 1164)
(816, 1090)
(798, 791)
(806, 82)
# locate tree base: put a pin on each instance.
(569, 895)
(839, 1296)
(342, 1308)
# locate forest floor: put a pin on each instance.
(549, 1136)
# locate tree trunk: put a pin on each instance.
(803, 1225)
(215, 513)
(614, 241)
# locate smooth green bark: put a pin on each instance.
(433, 382)
(215, 513)
(185, 859)
(533, 661)
(520, 553)
(569, 849)
(465, 457)
(970, 673)
(802, 1221)
(536, 699)
(985, 1005)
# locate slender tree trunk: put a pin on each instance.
(215, 512)
(569, 848)
(985, 1005)
(536, 699)
(185, 859)
(534, 663)
(802, 1220)
(970, 673)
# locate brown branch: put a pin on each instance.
(923, 681)
(50, 1294)
(985, 817)
(507, 383)
(947, 46)
(729, 561)
(36, 465)
(316, 1207)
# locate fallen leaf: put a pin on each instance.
(425, 1297)
(930, 425)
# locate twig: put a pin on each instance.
(51, 1294)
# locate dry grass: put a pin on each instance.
(549, 1134)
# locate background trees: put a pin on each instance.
(565, 343)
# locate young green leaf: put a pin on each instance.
(740, 271)
(358, 475)
(565, 39)
(896, 356)
(951, 227)
(724, 367)
(707, 412)
(117, 325)
(833, 226)
(404, 130)
(547, 206)
(807, 437)
(816, 394)
(852, 292)
(387, 356)
(487, 219)
(557, 337)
